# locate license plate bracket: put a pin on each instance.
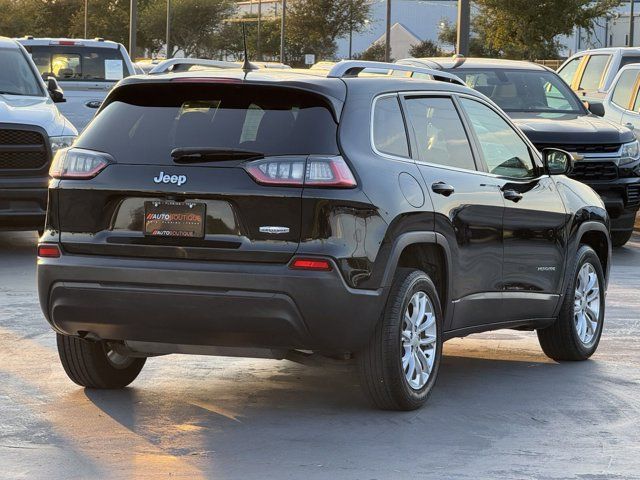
(174, 219)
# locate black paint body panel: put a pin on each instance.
(193, 291)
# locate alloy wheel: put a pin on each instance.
(586, 310)
(419, 340)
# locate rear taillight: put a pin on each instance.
(48, 250)
(312, 172)
(317, 264)
(79, 164)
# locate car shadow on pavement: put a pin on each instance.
(468, 389)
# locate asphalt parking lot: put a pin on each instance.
(501, 409)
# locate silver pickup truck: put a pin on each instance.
(85, 69)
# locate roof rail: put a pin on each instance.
(174, 64)
(351, 68)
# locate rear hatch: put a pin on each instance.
(195, 171)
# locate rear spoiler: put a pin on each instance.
(176, 65)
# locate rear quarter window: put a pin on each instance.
(143, 123)
(389, 134)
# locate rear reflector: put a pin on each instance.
(48, 251)
(311, 264)
(312, 172)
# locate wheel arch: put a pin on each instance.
(596, 236)
(427, 251)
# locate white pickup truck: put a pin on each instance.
(31, 131)
(85, 69)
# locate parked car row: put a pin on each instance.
(358, 210)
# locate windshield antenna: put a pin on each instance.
(247, 66)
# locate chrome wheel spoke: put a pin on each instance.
(418, 340)
(428, 340)
(587, 304)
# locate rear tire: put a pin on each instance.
(95, 364)
(399, 366)
(618, 239)
(576, 333)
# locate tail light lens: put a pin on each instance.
(317, 264)
(48, 250)
(312, 172)
(79, 164)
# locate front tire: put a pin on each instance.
(95, 364)
(399, 366)
(576, 333)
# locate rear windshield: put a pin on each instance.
(144, 123)
(16, 75)
(538, 91)
(76, 63)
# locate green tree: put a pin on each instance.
(313, 26)
(108, 19)
(530, 30)
(233, 47)
(375, 53)
(196, 25)
(478, 46)
(37, 17)
(426, 48)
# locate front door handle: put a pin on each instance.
(629, 125)
(512, 195)
(442, 188)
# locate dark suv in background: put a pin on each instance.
(276, 214)
(607, 156)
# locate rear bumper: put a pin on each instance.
(23, 203)
(206, 303)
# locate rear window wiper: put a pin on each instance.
(212, 154)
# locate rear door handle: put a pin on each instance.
(512, 195)
(442, 188)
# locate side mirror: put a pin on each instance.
(557, 162)
(56, 93)
(597, 108)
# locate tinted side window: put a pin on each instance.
(569, 70)
(627, 59)
(439, 133)
(389, 134)
(624, 88)
(504, 151)
(593, 72)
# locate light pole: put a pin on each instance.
(133, 24)
(387, 40)
(350, 29)
(86, 8)
(260, 30)
(464, 14)
(282, 30)
(631, 23)
(169, 48)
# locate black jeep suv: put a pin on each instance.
(282, 214)
(543, 106)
